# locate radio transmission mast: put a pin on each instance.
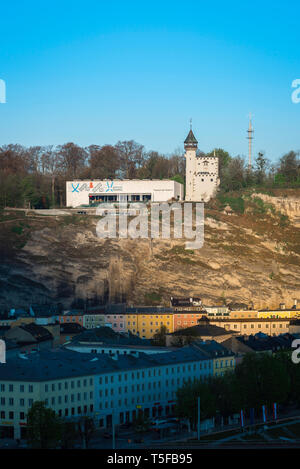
(250, 138)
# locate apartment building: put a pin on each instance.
(64, 382)
(75, 384)
(222, 358)
(71, 317)
(147, 384)
(248, 326)
(146, 321)
(184, 319)
(279, 313)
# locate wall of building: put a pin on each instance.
(202, 176)
(91, 321)
(182, 320)
(279, 313)
(115, 351)
(146, 325)
(67, 397)
(119, 394)
(68, 318)
(248, 327)
(117, 321)
(153, 391)
(221, 365)
(77, 192)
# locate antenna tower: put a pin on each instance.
(250, 138)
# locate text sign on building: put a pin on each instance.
(105, 186)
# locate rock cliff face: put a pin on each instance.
(290, 206)
(251, 258)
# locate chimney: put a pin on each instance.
(282, 306)
(295, 302)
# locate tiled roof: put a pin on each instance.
(63, 363)
(107, 335)
(212, 348)
(263, 342)
(205, 330)
(191, 138)
(149, 310)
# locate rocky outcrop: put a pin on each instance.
(289, 206)
(244, 259)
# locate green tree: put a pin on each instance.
(289, 166)
(69, 434)
(44, 427)
(226, 390)
(263, 380)
(224, 159)
(142, 423)
(233, 177)
(187, 401)
(178, 178)
(86, 428)
(261, 164)
(159, 338)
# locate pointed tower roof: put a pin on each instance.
(191, 139)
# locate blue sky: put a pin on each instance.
(95, 72)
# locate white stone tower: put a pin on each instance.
(201, 172)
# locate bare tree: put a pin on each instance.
(72, 159)
(103, 161)
(131, 155)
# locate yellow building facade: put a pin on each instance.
(222, 365)
(279, 313)
(145, 325)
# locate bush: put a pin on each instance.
(237, 204)
(17, 229)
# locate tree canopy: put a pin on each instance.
(35, 176)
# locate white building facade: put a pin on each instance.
(105, 388)
(91, 192)
(201, 173)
